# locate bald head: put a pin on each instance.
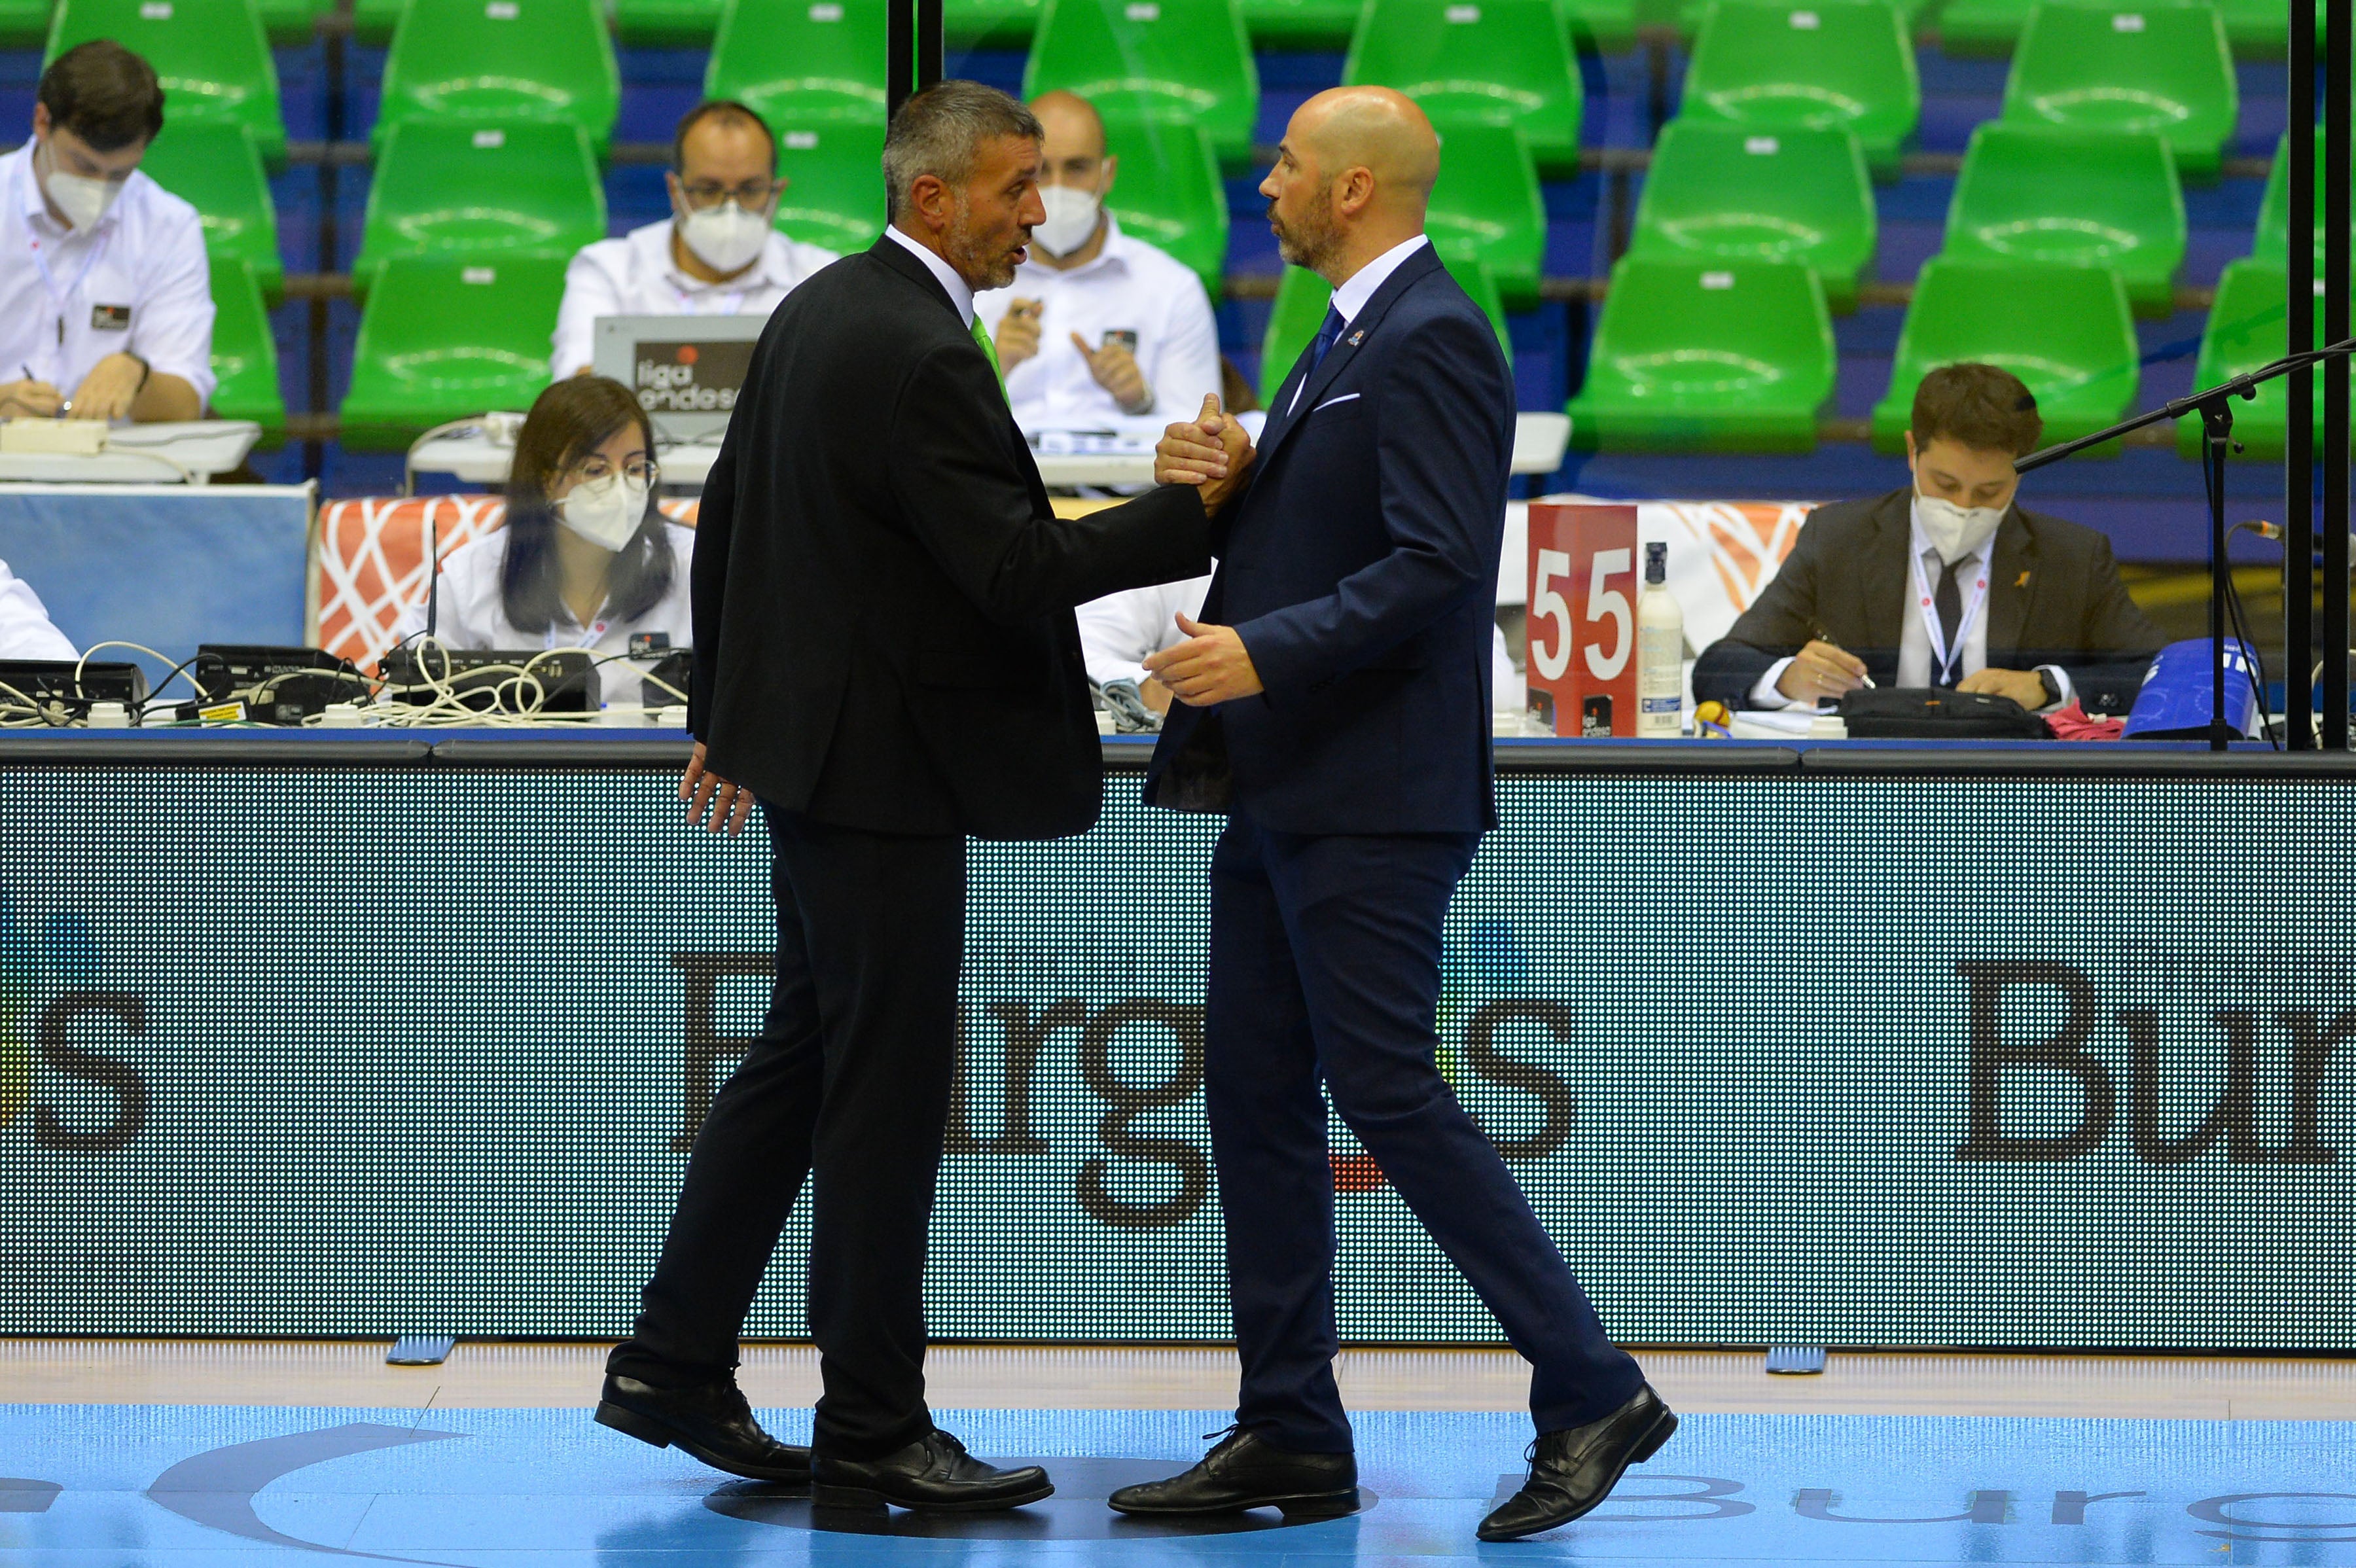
(1072, 120)
(1353, 178)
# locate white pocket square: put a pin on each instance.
(1329, 403)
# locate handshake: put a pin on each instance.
(1211, 450)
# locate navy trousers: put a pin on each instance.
(1325, 956)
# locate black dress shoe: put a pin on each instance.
(1246, 1472)
(711, 1421)
(1574, 1469)
(934, 1473)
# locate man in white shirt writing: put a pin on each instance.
(1099, 330)
(717, 253)
(106, 306)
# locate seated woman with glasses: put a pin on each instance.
(584, 560)
(716, 254)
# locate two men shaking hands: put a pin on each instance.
(1213, 452)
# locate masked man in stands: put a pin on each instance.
(1099, 330)
(715, 255)
(106, 305)
(1945, 583)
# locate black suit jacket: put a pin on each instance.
(2054, 598)
(883, 595)
(1359, 567)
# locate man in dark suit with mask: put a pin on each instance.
(886, 659)
(1947, 583)
(1334, 702)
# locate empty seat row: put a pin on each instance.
(2163, 69)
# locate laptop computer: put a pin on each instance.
(685, 370)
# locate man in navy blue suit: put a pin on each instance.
(1334, 702)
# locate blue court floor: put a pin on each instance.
(120, 1484)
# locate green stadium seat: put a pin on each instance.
(834, 183)
(988, 24)
(2064, 330)
(213, 165)
(2274, 209)
(1168, 193)
(1983, 28)
(1300, 24)
(1717, 194)
(802, 61)
(245, 358)
(289, 23)
(2035, 193)
(211, 56)
(24, 24)
(666, 24)
(2163, 67)
(1601, 27)
(500, 61)
(1173, 59)
(1487, 207)
(443, 338)
(374, 21)
(1697, 354)
(2249, 326)
(1494, 62)
(1846, 63)
(482, 192)
(1301, 301)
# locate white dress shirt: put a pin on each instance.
(1359, 287)
(1130, 287)
(1118, 631)
(635, 275)
(26, 631)
(1914, 635)
(945, 274)
(135, 281)
(473, 615)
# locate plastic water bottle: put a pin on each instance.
(1660, 653)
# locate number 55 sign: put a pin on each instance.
(1582, 616)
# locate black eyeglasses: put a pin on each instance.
(751, 195)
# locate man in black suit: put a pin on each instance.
(1334, 702)
(1946, 582)
(885, 658)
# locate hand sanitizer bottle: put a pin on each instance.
(1660, 653)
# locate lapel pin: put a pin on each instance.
(1357, 337)
(2023, 581)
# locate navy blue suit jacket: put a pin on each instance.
(1359, 566)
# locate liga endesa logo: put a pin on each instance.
(49, 985)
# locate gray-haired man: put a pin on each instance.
(886, 661)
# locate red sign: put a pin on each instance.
(1582, 616)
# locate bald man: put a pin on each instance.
(1333, 701)
(1099, 330)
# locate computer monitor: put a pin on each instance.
(685, 370)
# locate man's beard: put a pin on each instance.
(1313, 239)
(985, 266)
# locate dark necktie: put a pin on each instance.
(1950, 602)
(1327, 331)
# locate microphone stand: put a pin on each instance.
(2215, 407)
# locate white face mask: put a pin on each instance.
(84, 201)
(1955, 531)
(1072, 217)
(727, 238)
(606, 511)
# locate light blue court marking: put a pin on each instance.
(186, 1487)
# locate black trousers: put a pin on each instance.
(1326, 961)
(849, 1082)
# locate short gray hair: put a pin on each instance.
(939, 131)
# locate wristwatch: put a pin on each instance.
(2053, 687)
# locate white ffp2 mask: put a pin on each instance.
(607, 512)
(1955, 531)
(84, 201)
(726, 237)
(1072, 216)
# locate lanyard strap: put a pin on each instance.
(40, 259)
(589, 635)
(1946, 658)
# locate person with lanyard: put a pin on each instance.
(584, 560)
(1948, 582)
(106, 308)
(1099, 330)
(716, 254)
